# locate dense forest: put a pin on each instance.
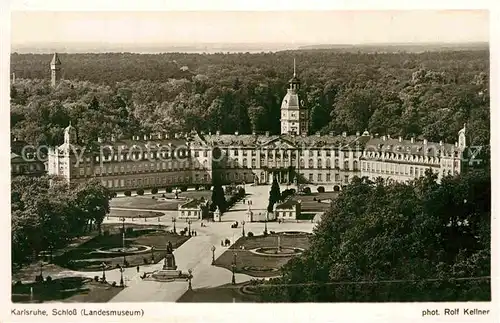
(430, 94)
(396, 242)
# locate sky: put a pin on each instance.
(320, 27)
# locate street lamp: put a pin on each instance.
(243, 228)
(265, 223)
(213, 255)
(41, 269)
(103, 266)
(190, 271)
(234, 257)
(189, 227)
(153, 254)
(123, 223)
(173, 221)
(233, 280)
(121, 276)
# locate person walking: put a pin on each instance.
(137, 268)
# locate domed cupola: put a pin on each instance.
(294, 116)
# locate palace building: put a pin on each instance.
(294, 156)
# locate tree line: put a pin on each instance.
(430, 94)
(47, 213)
(385, 241)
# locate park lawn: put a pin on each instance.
(84, 257)
(269, 265)
(134, 214)
(66, 289)
(221, 294)
(310, 205)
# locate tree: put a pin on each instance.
(274, 194)
(420, 235)
(218, 198)
(93, 200)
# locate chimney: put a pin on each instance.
(210, 133)
(159, 136)
(388, 136)
(145, 137)
(384, 138)
(267, 133)
(236, 133)
(99, 139)
(318, 134)
(331, 133)
(440, 142)
(412, 140)
(112, 138)
(344, 134)
(425, 141)
(150, 136)
(217, 132)
(166, 136)
(376, 135)
(400, 139)
(357, 133)
(456, 144)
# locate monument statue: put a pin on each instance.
(170, 249)
(169, 263)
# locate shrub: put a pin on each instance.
(145, 260)
(197, 187)
(154, 190)
(321, 189)
(113, 284)
(106, 233)
(48, 279)
(129, 230)
(208, 187)
(127, 193)
(168, 190)
(18, 283)
(307, 190)
(115, 194)
(140, 191)
(96, 278)
(39, 278)
(125, 263)
(183, 188)
(250, 234)
(265, 233)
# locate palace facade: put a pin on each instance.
(294, 156)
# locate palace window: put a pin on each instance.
(336, 163)
(311, 177)
(346, 165)
(320, 163)
(320, 178)
(310, 163)
(328, 177)
(337, 177)
(355, 165)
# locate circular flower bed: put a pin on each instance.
(275, 252)
(119, 251)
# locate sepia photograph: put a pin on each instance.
(251, 157)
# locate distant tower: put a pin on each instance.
(294, 116)
(55, 67)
